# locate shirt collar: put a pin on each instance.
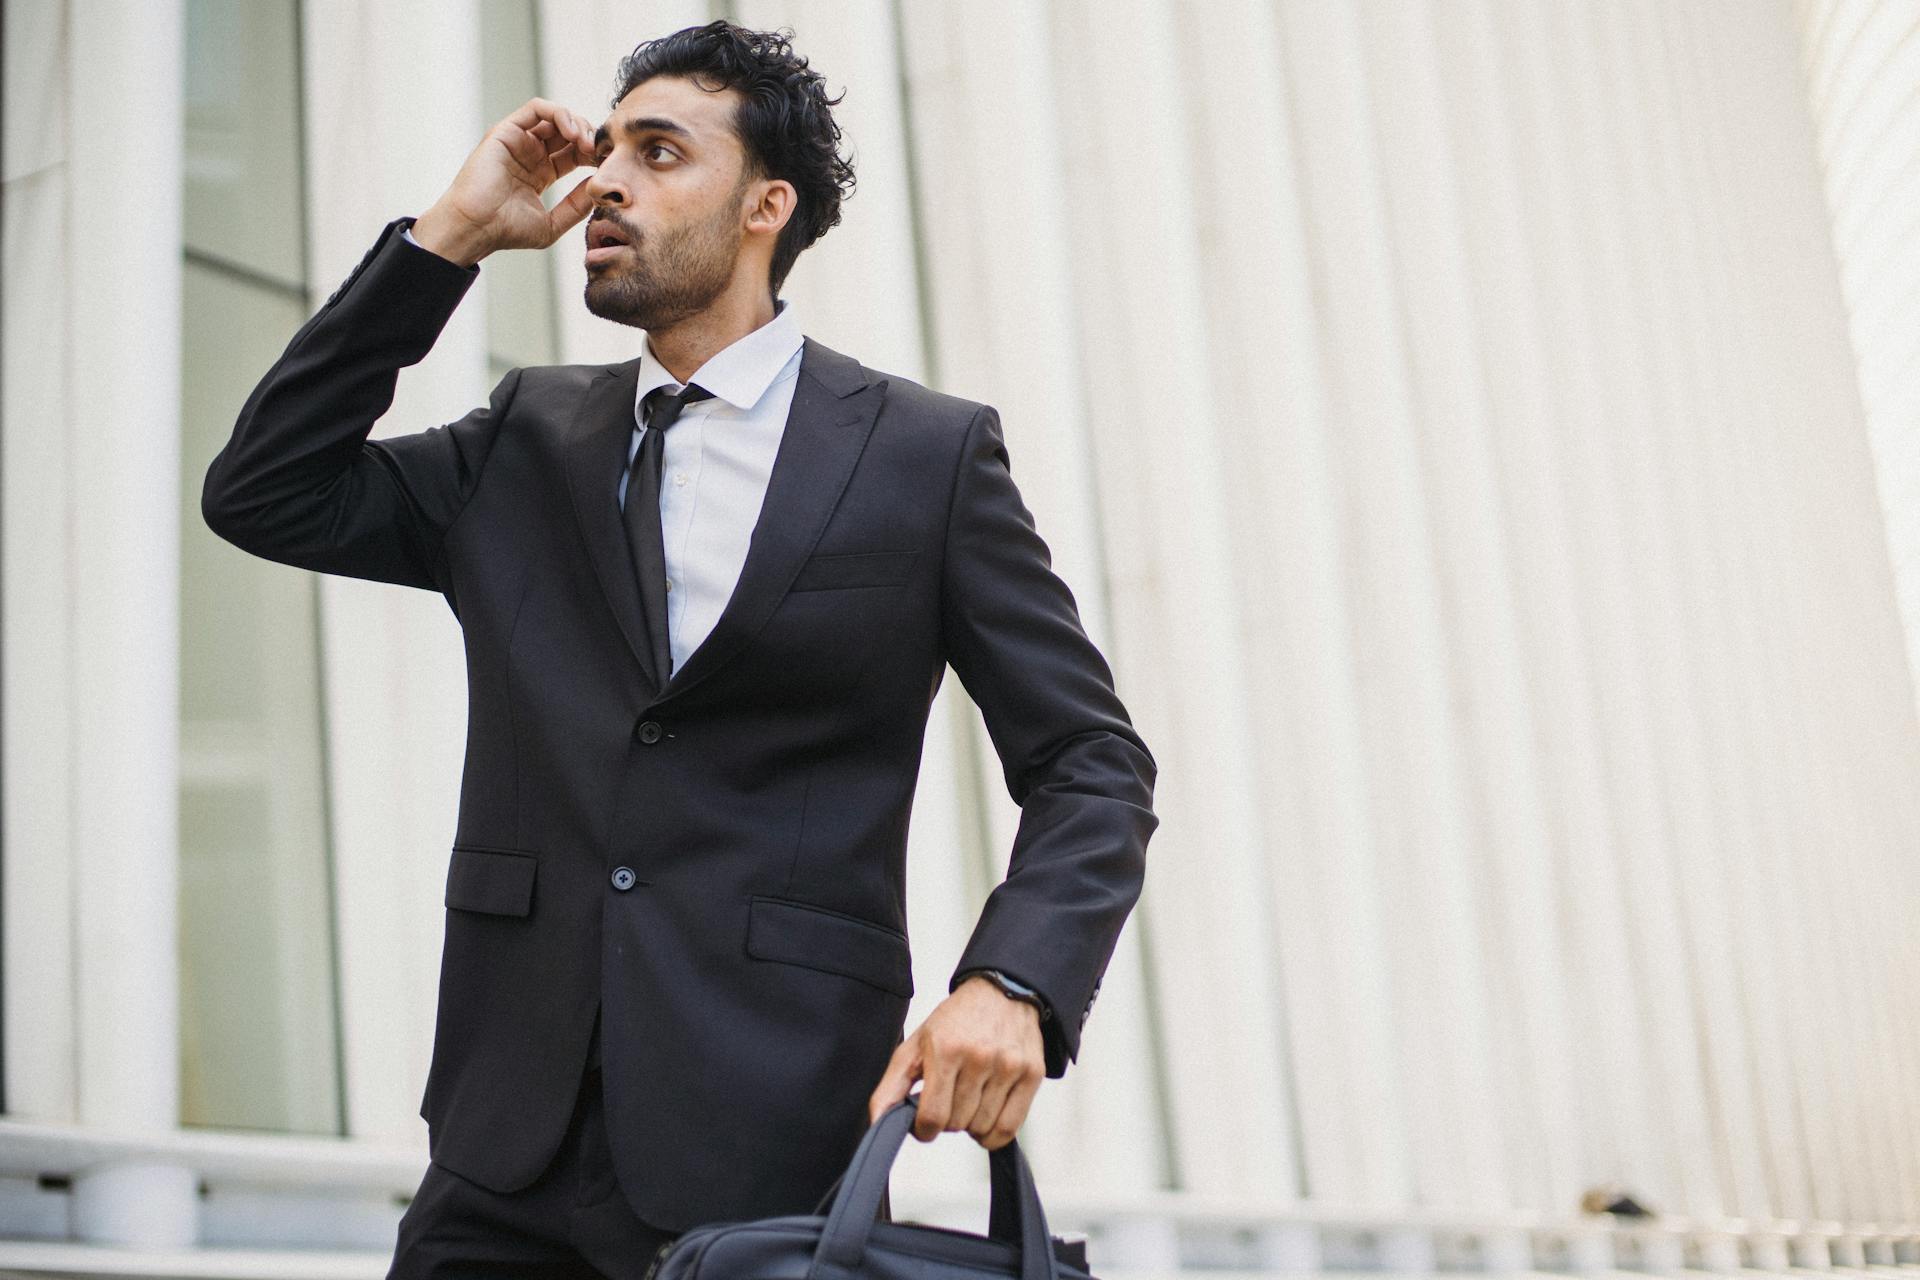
(738, 373)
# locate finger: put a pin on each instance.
(567, 132)
(546, 156)
(569, 143)
(936, 1092)
(1014, 1108)
(534, 110)
(968, 1086)
(585, 130)
(990, 1115)
(540, 118)
(562, 157)
(528, 150)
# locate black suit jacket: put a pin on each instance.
(719, 861)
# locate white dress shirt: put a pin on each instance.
(717, 458)
(715, 462)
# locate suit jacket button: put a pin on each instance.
(649, 731)
(623, 878)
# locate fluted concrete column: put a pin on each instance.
(40, 794)
(1000, 325)
(394, 665)
(1141, 380)
(581, 42)
(1863, 91)
(125, 106)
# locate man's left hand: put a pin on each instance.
(981, 1059)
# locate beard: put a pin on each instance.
(667, 276)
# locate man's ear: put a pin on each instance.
(774, 205)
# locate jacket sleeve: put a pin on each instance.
(300, 483)
(1071, 759)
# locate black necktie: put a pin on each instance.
(641, 515)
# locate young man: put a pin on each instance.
(708, 595)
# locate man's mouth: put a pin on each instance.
(603, 234)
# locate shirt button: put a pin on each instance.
(679, 477)
(649, 731)
(669, 584)
(623, 878)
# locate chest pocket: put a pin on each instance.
(854, 569)
(828, 626)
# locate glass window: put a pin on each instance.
(259, 1024)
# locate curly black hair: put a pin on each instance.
(785, 120)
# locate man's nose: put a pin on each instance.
(601, 187)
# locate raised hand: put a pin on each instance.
(494, 202)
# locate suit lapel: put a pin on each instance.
(834, 407)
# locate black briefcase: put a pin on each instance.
(847, 1240)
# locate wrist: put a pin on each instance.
(449, 236)
(1012, 988)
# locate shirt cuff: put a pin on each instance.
(407, 233)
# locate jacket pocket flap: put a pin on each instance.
(804, 934)
(855, 569)
(491, 880)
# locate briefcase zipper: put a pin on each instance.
(653, 1267)
(696, 1234)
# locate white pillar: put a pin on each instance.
(124, 430)
(395, 670)
(1142, 374)
(1001, 320)
(1863, 91)
(581, 43)
(1402, 448)
(39, 790)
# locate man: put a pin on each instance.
(708, 595)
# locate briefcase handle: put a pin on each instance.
(843, 1240)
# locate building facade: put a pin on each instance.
(1480, 433)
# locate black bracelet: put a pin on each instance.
(1013, 989)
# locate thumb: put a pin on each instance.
(566, 215)
(902, 1070)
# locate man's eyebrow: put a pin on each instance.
(645, 124)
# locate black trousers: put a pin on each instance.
(572, 1222)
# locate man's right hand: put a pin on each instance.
(494, 202)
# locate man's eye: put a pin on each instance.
(601, 156)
